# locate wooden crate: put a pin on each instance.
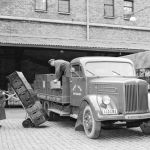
(22, 89)
(38, 120)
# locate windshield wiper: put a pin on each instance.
(116, 73)
(90, 72)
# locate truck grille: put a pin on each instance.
(136, 100)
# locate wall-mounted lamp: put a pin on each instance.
(133, 18)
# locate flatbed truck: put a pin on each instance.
(99, 91)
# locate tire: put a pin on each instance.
(145, 127)
(27, 123)
(46, 106)
(53, 116)
(91, 127)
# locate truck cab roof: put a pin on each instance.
(84, 60)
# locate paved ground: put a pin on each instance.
(61, 135)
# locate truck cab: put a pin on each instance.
(100, 91)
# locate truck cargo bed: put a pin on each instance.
(44, 89)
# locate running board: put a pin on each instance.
(63, 113)
(60, 112)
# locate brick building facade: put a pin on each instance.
(32, 31)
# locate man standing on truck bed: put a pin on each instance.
(61, 68)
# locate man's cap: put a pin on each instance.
(51, 60)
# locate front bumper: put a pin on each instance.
(124, 117)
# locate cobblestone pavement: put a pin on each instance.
(61, 135)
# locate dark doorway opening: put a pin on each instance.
(31, 61)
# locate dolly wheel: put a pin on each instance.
(27, 123)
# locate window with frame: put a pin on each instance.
(128, 8)
(77, 71)
(108, 8)
(41, 5)
(64, 6)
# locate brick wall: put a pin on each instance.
(26, 8)
(104, 30)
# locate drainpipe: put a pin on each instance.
(87, 21)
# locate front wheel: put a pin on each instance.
(92, 127)
(145, 127)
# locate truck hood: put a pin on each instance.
(129, 95)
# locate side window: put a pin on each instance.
(108, 8)
(64, 6)
(41, 5)
(77, 71)
(128, 9)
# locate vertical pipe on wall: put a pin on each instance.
(87, 20)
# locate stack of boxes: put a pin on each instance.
(27, 97)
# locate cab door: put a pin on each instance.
(77, 85)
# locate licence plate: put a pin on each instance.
(109, 111)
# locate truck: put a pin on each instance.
(98, 91)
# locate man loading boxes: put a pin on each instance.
(61, 68)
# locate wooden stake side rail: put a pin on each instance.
(54, 98)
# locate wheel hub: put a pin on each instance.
(88, 121)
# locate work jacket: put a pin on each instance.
(61, 67)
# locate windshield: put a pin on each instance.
(109, 69)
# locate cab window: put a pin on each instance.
(76, 71)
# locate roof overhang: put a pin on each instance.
(67, 44)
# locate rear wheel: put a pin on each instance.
(46, 106)
(92, 127)
(53, 116)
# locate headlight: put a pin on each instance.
(106, 100)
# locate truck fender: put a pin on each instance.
(88, 100)
(92, 101)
